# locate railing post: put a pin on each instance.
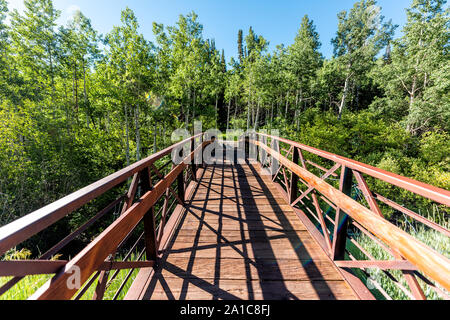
(180, 186)
(247, 146)
(149, 220)
(193, 165)
(341, 219)
(294, 179)
(275, 164)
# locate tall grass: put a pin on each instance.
(436, 240)
(30, 284)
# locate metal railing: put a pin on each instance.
(323, 199)
(155, 193)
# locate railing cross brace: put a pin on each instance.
(159, 174)
(410, 278)
(310, 189)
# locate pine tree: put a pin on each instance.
(240, 47)
(222, 61)
(303, 61)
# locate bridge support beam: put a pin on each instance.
(180, 186)
(149, 220)
(247, 146)
(294, 179)
(341, 219)
(193, 165)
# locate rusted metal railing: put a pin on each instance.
(323, 201)
(155, 193)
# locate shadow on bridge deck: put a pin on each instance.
(239, 239)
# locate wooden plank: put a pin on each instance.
(359, 288)
(201, 289)
(24, 268)
(248, 208)
(240, 269)
(254, 224)
(243, 179)
(383, 265)
(234, 193)
(253, 249)
(259, 201)
(209, 236)
(278, 248)
(232, 185)
(239, 213)
(140, 284)
(281, 220)
(144, 275)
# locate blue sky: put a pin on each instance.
(278, 21)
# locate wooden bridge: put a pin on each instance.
(266, 223)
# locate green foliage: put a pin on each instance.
(436, 240)
(29, 284)
(435, 148)
(76, 106)
(415, 79)
(360, 36)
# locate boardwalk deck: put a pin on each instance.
(235, 236)
(239, 239)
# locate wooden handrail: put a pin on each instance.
(94, 255)
(432, 263)
(21, 229)
(431, 192)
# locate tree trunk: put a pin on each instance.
(253, 118)
(267, 117)
(248, 113)
(296, 106)
(154, 138)
(193, 111)
(127, 137)
(138, 135)
(107, 122)
(271, 116)
(75, 90)
(287, 105)
(164, 135)
(67, 104)
(8, 65)
(215, 110)
(53, 82)
(256, 117)
(86, 100)
(409, 126)
(228, 114)
(344, 96)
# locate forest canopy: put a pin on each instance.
(76, 105)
